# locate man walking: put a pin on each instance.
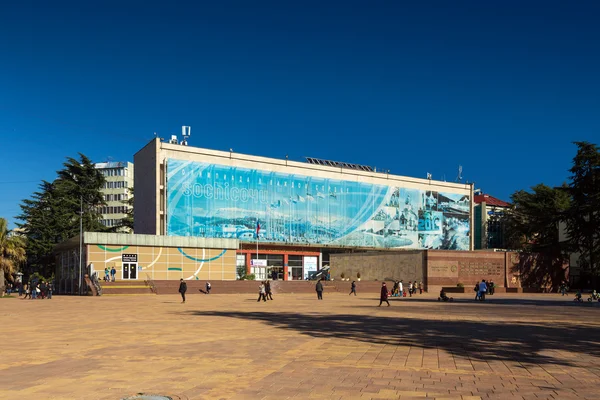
(319, 289)
(353, 288)
(113, 273)
(182, 289)
(261, 292)
(420, 287)
(384, 295)
(208, 287)
(269, 294)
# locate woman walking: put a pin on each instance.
(384, 295)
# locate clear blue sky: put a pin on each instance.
(501, 88)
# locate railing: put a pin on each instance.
(150, 283)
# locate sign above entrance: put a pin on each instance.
(258, 263)
(129, 258)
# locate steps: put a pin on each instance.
(125, 288)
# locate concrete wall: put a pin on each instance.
(405, 265)
(146, 190)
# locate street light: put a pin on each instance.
(80, 239)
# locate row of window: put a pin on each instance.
(110, 222)
(114, 210)
(115, 185)
(115, 197)
(114, 171)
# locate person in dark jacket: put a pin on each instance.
(319, 289)
(182, 289)
(268, 292)
(353, 288)
(384, 295)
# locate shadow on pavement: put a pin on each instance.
(487, 340)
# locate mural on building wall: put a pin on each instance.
(164, 262)
(218, 201)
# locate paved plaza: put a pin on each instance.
(231, 347)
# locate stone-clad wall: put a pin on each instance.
(448, 268)
(405, 265)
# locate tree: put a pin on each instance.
(583, 217)
(52, 215)
(12, 253)
(532, 227)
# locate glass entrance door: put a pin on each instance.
(129, 271)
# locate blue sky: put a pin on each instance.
(501, 88)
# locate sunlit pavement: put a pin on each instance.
(344, 347)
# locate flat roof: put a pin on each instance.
(227, 156)
(128, 239)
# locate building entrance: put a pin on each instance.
(129, 271)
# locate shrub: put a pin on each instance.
(343, 275)
(358, 275)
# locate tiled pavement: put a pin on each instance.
(231, 347)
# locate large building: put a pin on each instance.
(119, 179)
(289, 217)
(489, 226)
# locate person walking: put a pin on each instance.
(34, 290)
(106, 274)
(319, 289)
(49, 289)
(476, 291)
(384, 295)
(410, 288)
(352, 288)
(421, 287)
(113, 273)
(401, 288)
(482, 290)
(182, 289)
(27, 292)
(208, 287)
(269, 294)
(261, 292)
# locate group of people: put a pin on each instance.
(109, 274)
(33, 290)
(398, 290)
(482, 288)
(264, 291)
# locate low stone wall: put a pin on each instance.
(380, 266)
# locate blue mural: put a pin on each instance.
(220, 201)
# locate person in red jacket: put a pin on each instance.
(384, 295)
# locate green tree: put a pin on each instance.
(52, 214)
(532, 226)
(12, 253)
(583, 217)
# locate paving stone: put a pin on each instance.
(230, 347)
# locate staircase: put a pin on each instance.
(126, 288)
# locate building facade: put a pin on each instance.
(489, 225)
(116, 191)
(143, 258)
(290, 216)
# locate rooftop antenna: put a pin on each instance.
(459, 177)
(186, 131)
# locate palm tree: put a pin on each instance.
(12, 252)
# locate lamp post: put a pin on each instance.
(80, 240)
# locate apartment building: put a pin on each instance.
(119, 179)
